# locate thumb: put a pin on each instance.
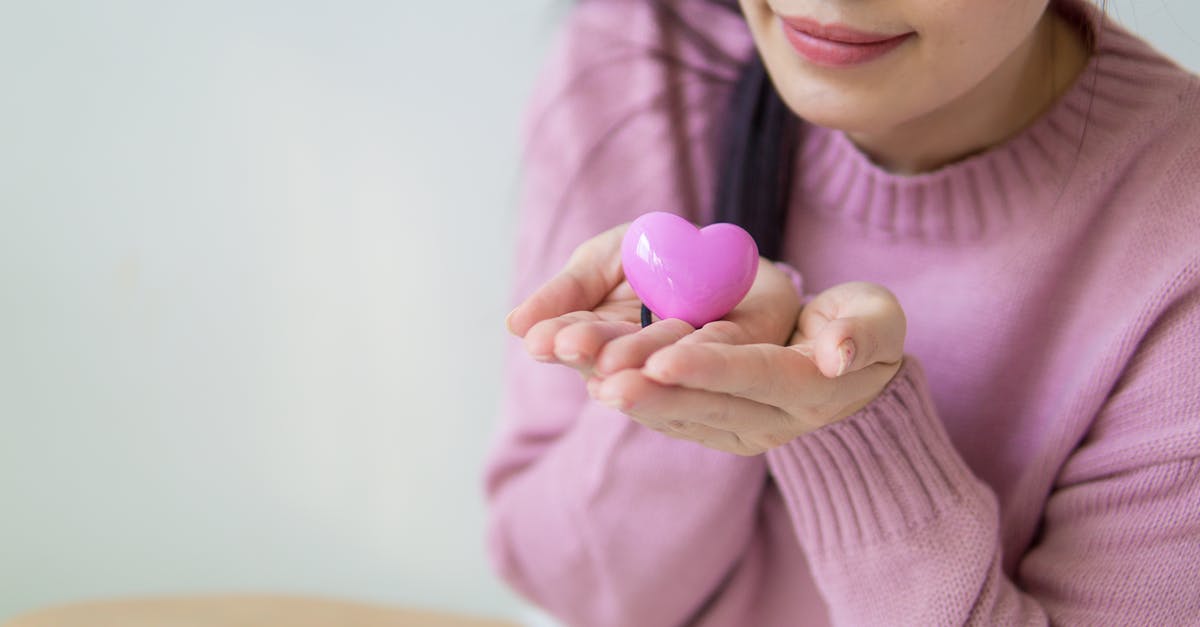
(858, 325)
(593, 270)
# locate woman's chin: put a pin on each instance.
(850, 117)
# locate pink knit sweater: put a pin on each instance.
(1036, 459)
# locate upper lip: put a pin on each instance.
(835, 32)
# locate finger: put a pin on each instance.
(723, 331)
(539, 340)
(836, 349)
(632, 350)
(722, 421)
(578, 345)
(854, 298)
(803, 346)
(768, 374)
(768, 311)
(852, 326)
(849, 344)
(593, 270)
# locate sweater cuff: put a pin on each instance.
(876, 475)
(793, 275)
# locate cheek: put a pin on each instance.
(957, 47)
(967, 39)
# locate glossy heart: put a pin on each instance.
(679, 271)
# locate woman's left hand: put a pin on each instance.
(749, 398)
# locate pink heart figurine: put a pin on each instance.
(679, 271)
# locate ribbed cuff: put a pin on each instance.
(875, 475)
(794, 275)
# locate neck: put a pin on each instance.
(1008, 100)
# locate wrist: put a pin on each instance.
(886, 374)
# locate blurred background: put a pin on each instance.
(253, 273)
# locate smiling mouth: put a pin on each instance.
(837, 45)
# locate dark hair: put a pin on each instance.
(757, 156)
(756, 135)
(757, 140)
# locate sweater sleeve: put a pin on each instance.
(592, 516)
(602, 521)
(900, 532)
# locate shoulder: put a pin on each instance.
(1140, 160)
(1146, 109)
(1144, 243)
(1166, 137)
(1160, 188)
(1131, 211)
(1158, 193)
(1154, 246)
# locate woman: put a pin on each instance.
(987, 410)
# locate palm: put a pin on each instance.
(620, 305)
(588, 316)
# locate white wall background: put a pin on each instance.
(253, 264)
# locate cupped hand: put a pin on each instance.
(589, 318)
(746, 399)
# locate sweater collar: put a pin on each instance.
(982, 194)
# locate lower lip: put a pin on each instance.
(836, 53)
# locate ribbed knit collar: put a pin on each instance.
(982, 194)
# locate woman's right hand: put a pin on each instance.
(588, 317)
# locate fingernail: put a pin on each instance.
(602, 367)
(655, 370)
(607, 396)
(846, 355)
(614, 402)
